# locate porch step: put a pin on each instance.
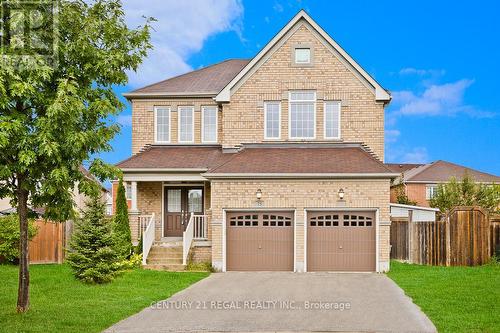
(164, 261)
(165, 267)
(165, 250)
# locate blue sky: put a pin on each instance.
(440, 60)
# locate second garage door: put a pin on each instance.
(341, 241)
(259, 241)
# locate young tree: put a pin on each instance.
(92, 256)
(121, 227)
(466, 192)
(54, 116)
(402, 198)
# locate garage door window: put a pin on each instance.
(244, 221)
(276, 221)
(357, 221)
(325, 221)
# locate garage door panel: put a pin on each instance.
(341, 241)
(265, 243)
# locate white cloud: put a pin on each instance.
(416, 155)
(391, 135)
(437, 100)
(278, 7)
(180, 31)
(422, 72)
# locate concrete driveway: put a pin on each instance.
(269, 302)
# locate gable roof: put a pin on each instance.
(402, 167)
(380, 93)
(205, 81)
(442, 171)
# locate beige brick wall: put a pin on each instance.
(143, 119)
(362, 120)
(300, 195)
(242, 120)
(149, 201)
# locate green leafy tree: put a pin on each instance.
(466, 192)
(54, 116)
(92, 256)
(121, 227)
(9, 237)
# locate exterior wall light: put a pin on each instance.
(258, 194)
(341, 194)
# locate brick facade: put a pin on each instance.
(300, 195)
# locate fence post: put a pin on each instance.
(448, 240)
(410, 236)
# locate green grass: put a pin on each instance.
(59, 303)
(456, 299)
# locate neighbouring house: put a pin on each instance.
(271, 163)
(419, 181)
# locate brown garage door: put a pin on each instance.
(259, 241)
(340, 241)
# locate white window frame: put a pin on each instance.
(290, 114)
(428, 189)
(179, 123)
(156, 124)
(203, 123)
(339, 118)
(265, 120)
(295, 55)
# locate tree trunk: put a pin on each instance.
(23, 296)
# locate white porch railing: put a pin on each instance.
(187, 239)
(200, 227)
(148, 238)
(143, 223)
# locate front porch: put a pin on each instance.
(173, 220)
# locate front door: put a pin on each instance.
(180, 202)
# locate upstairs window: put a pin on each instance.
(430, 191)
(162, 124)
(209, 123)
(302, 117)
(302, 55)
(272, 120)
(332, 120)
(186, 124)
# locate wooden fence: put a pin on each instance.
(48, 244)
(461, 238)
(495, 234)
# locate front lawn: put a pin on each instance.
(456, 299)
(59, 303)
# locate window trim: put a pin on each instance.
(203, 123)
(295, 55)
(265, 120)
(427, 191)
(156, 124)
(339, 103)
(290, 114)
(179, 123)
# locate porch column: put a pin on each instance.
(134, 196)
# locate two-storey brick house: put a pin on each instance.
(273, 163)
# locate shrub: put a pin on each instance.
(9, 237)
(135, 261)
(121, 227)
(92, 256)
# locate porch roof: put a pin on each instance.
(303, 160)
(174, 158)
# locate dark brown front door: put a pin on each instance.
(341, 241)
(180, 202)
(260, 241)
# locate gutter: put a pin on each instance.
(300, 175)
